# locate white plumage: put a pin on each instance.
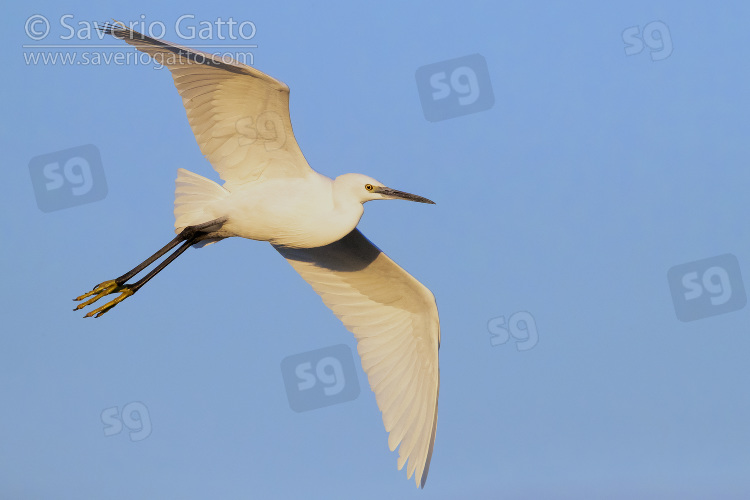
(240, 118)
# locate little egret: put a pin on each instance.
(240, 118)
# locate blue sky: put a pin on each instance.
(614, 149)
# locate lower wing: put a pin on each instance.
(395, 320)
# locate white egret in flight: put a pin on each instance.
(240, 118)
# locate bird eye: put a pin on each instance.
(369, 187)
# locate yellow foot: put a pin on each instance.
(100, 291)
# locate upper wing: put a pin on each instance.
(395, 320)
(240, 116)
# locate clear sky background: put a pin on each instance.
(615, 150)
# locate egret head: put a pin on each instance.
(364, 188)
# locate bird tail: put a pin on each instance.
(194, 197)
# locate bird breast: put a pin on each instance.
(297, 213)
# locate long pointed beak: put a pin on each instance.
(393, 193)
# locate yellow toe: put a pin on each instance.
(126, 292)
(107, 287)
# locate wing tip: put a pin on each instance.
(115, 28)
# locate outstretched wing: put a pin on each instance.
(240, 116)
(395, 320)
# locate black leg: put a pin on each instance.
(162, 265)
(143, 265)
(188, 236)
